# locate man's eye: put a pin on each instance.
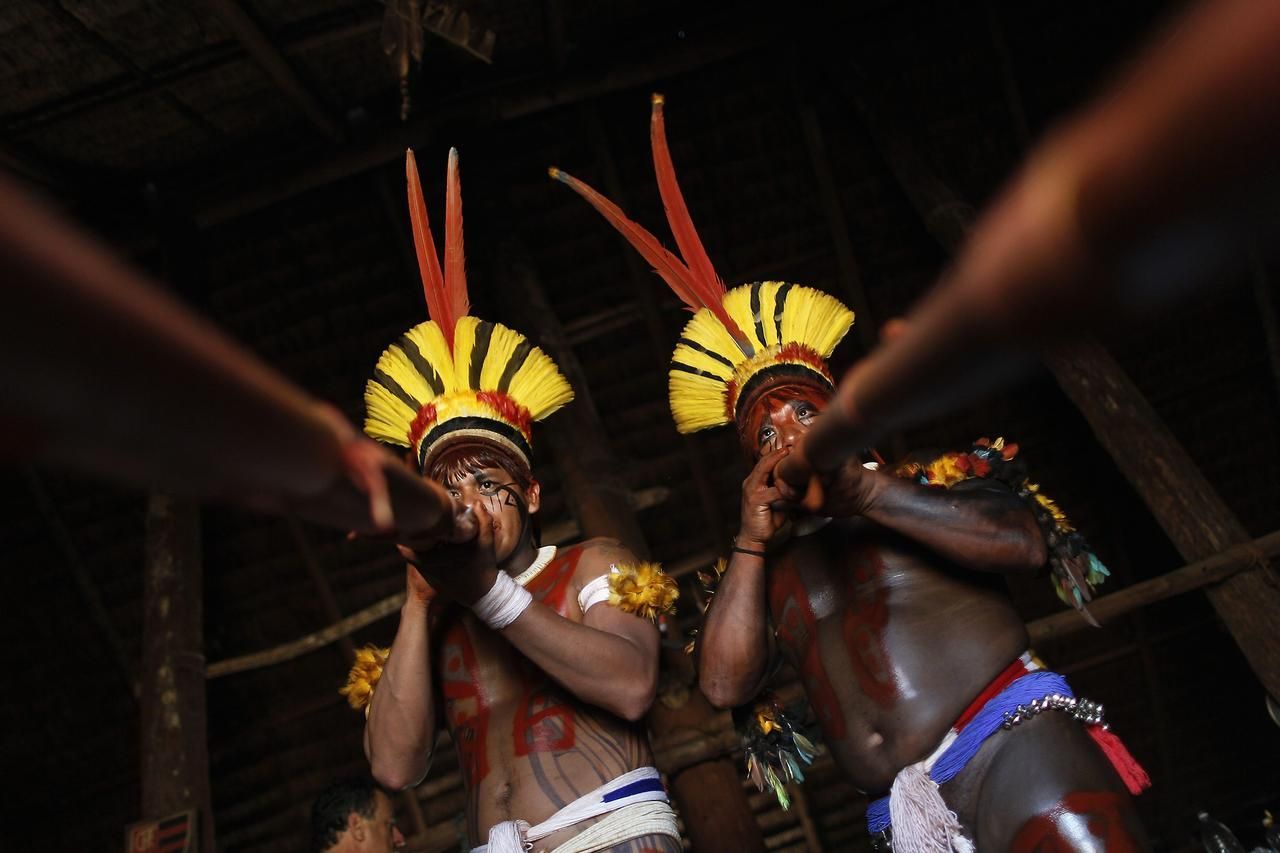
(486, 485)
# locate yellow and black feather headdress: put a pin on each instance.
(456, 377)
(738, 340)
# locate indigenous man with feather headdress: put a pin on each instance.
(540, 661)
(889, 602)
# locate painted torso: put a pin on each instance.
(890, 641)
(525, 745)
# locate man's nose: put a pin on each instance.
(790, 435)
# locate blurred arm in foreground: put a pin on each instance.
(102, 372)
(1162, 178)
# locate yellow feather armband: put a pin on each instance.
(363, 677)
(642, 589)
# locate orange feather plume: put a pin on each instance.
(455, 273)
(445, 304)
(709, 285)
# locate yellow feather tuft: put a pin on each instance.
(387, 418)
(464, 339)
(364, 676)
(539, 385)
(642, 589)
(696, 401)
(815, 319)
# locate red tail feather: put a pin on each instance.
(710, 287)
(455, 273)
(424, 243)
(672, 269)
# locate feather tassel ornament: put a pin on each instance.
(363, 679)
(444, 305)
(642, 589)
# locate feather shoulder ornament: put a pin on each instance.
(642, 589)
(1076, 569)
(363, 678)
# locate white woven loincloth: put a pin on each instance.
(636, 805)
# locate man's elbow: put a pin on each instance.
(396, 776)
(722, 693)
(636, 700)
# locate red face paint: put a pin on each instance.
(770, 408)
(1092, 820)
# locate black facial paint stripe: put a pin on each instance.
(516, 362)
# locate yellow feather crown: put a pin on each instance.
(493, 385)
(785, 324)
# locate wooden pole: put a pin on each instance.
(1183, 502)
(598, 495)
(709, 795)
(175, 753)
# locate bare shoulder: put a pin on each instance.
(599, 554)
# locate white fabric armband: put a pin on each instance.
(503, 603)
(595, 592)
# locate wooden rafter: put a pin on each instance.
(479, 107)
(104, 45)
(277, 67)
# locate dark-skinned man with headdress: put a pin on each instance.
(540, 661)
(889, 602)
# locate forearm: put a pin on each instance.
(613, 672)
(981, 529)
(734, 641)
(400, 733)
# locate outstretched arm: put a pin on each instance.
(735, 646)
(610, 659)
(977, 524)
(399, 736)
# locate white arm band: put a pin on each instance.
(503, 603)
(596, 592)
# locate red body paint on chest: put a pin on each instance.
(465, 704)
(865, 617)
(553, 584)
(1083, 820)
(543, 722)
(798, 630)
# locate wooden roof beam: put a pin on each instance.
(273, 62)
